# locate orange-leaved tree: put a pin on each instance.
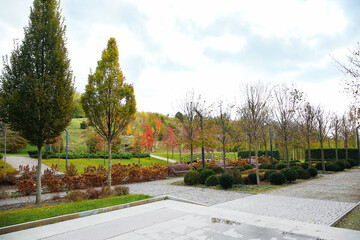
(169, 140)
(147, 140)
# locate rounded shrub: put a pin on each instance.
(209, 168)
(247, 167)
(218, 170)
(319, 166)
(265, 166)
(252, 178)
(341, 165)
(280, 166)
(305, 166)
(303, 174)
(212, 180)
(205, 174)
(333, 166)
(277, 178)
(237, 177)
(290, 174)
(352, 162)
(268, 173)
(192, 178)
(200, 170)
(239, 169)
(226, 180)
(347, 164)
(312, 171)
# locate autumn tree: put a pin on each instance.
(306, 122)
(37, 83)
(108, 101)
(287, 100)
(322, 130)
(224, 123)
(169, 140)
(147, 139)
(254, 111)
(137, 142)
(346, 128)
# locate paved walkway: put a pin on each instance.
(162, 158)
(16, 161)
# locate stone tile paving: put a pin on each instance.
(300, 209)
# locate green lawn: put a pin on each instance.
(84, 162)
(177, 155)
(76, 142)
(24, 152)
(7, 169)
(23, 215)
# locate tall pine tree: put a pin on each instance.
(37, 84)
(108, 101)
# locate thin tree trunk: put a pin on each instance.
(172, 155)
(224, 154)
(287, 154)
(346, 150)
(336, 149)
(256, 164)
(309, 152)
(167, 156)
(109, 170)
(191, 156)
(322, 157)
(249, 149)
(59, 153)
(38, 177)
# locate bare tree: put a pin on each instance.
(254, 111)
(322, 129)
(335, 126)
(306, 121)
(223, 121)
(287, 101)
(346, 128)
(190, 123)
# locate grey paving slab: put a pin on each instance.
(177, 220)
(300, 209)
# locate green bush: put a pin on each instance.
(226, 180)
(341, 165)
(239, 169)
(218, 170)
(303, 174)
(352, 162)
(252, 178)
(277, 178)
(305, 166)
(347, 164)
(205, 174)
(312, 171)
(280, 166)
(212, 180)
(192, 178)
(333, 166)
(247, 167)
(268, 173)
(290, 174)
(319, 166)
(245, 154)
(237, 177)
(83, 125)
(265, 166)
(331, 154)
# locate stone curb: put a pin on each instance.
(343, 215)
(37, 223)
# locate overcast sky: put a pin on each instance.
(169, 47)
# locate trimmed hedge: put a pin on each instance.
(245, 154)
(226, 180)
(290, 174)
(277, 178)
(252, 178)
(280, 166)
(212, 180)
(74, 155)
(218, 170)
(313, 172)
(205, 174)
(268, 173)
(331, 154)
(192, 178)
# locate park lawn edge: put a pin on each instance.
(24, 215)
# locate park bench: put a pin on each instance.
(178, 169)
(221, 164)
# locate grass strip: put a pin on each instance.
(27, 214)
(8, 168)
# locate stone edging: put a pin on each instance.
(343, 215)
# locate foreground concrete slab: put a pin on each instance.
(179, 220)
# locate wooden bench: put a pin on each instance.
(178, 169)
(221, 164)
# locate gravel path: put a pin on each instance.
(343, 187)
(162, 158)
(15, 162)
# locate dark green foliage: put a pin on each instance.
(341, 165)
(245, 154)
(239, 169)
(331, 154)
(14, 142)
(305, 166)
(212, 180)
(226, 180)
(280, 166)
(268, 173)
(353, 162)
(83, 125)
(1, 156)
(333, 166)
(252, 178)
(303, 174)
(290, 174)
(192, 178)
(318, 166)
(346, 163)
(247, 166)
(277, 178)
(237, 177)
(205, 174)
(218, 170)
(312, 171)
(265, 166)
